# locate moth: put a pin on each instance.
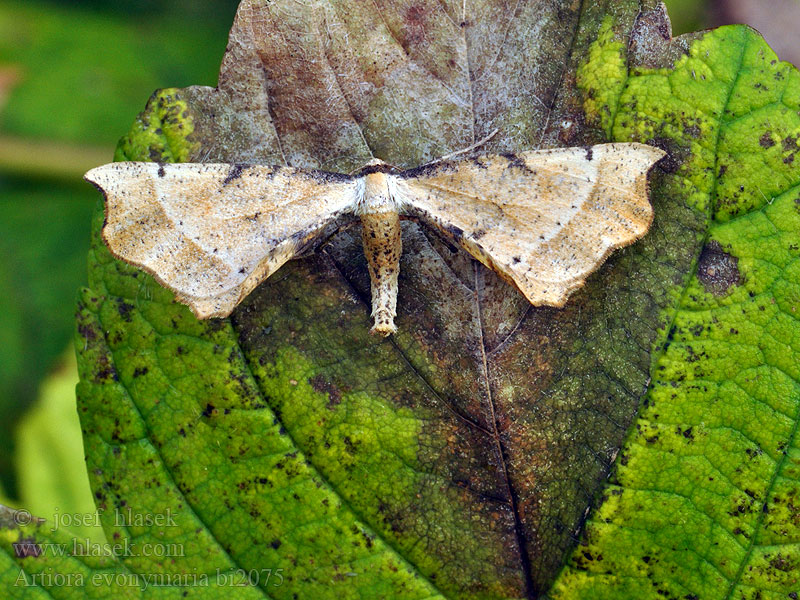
(543, 220)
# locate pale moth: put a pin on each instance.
(543, 220)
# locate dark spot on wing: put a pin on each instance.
(478, 234)
(322, 384)
(327, 176)
(516, 259)
(235, 172)
(430, 169)
(717, 270)
(515, 162)
(455, 232)
(479, 162)
(588, 152)
(161, 171)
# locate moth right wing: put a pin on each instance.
(543, 220)
(213, 232)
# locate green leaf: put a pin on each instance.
(703, 503)
(459, 458)
(40, 560)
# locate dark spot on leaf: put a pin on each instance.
(155, 154)
(693, 131)
(766, 140)
(139, 371)
(26, 548)
(675, 154)
(124, 309)
(87, 332)
(322, 384)
(275, 544)
(790, 143)
(105, 372)
(717, 270)
(209, 410)
(783, 563)
(416, 24)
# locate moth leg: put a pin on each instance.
(380, 234)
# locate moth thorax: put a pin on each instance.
(377, 198)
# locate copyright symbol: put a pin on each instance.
(22, 517)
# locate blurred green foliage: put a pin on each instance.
(85, 70)
(84, 75)
(49, 457)
(688, 15)
(43, 240)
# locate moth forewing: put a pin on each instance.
(213, 232)
(543, 220)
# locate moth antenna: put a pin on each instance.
(474, 146)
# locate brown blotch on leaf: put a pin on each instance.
(87, 332)
(675, 157)
(26, 547)
(124, 309)
(717, 270)
(766, 140)
(322, 384)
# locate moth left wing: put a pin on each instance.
(543, 220)
(213, 232)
